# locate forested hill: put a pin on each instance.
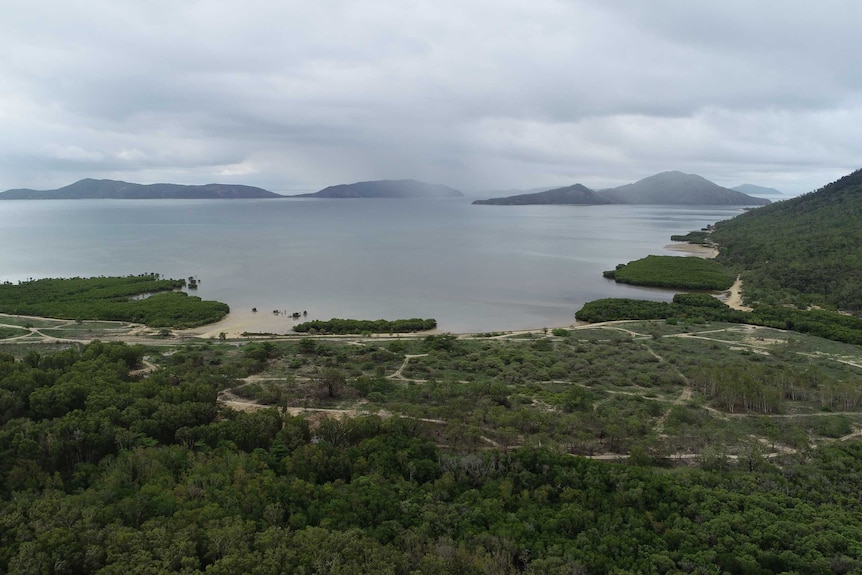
(386, 189)
(805, 250)
(114, 189)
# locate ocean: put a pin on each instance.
(473, 268)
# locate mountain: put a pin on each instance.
(753, 190)
(667, 188)
(386, 189)
(571, 195)
(803, 250)
(113, 189)
(676, 188)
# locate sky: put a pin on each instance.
(480, 95)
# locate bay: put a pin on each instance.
(473, 268)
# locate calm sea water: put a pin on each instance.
(473, 268)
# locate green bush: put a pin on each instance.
(358, 326)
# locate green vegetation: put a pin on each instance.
(674, 272)
(733, 441)
(802, 251)
(359, 326)
(105, 469)
(797, 257)
(699, 237)
(7, 332)
(140, 299)
(702, 307)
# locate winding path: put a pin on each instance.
(397, 374)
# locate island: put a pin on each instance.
(570, 195)
(666, 188)
(91, 189)
(385, 189)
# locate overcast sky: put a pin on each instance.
(477, 94)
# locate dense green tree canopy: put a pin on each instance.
(141, 299)
(358, 326)
(802, 250)
(104, 472)
(674, 272)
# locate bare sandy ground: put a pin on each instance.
(238, 322)
(734, 296)
(693, 250)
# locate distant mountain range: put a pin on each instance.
(753, 190)
(386, 189)
(666, 188)
(113, 189)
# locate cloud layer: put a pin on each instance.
(294, 96)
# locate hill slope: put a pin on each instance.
(386, 189)
(806, 249)
(673, 188)
(114, 189)
(576, 194)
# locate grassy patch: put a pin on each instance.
(28, 322)
(10, 332)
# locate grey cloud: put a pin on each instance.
(299, 95)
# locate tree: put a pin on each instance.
(332, 381)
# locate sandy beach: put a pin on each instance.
(693, 250)
(238, 322)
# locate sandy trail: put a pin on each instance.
(734, 296)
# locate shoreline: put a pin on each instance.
(268, 325)
(281, 326)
